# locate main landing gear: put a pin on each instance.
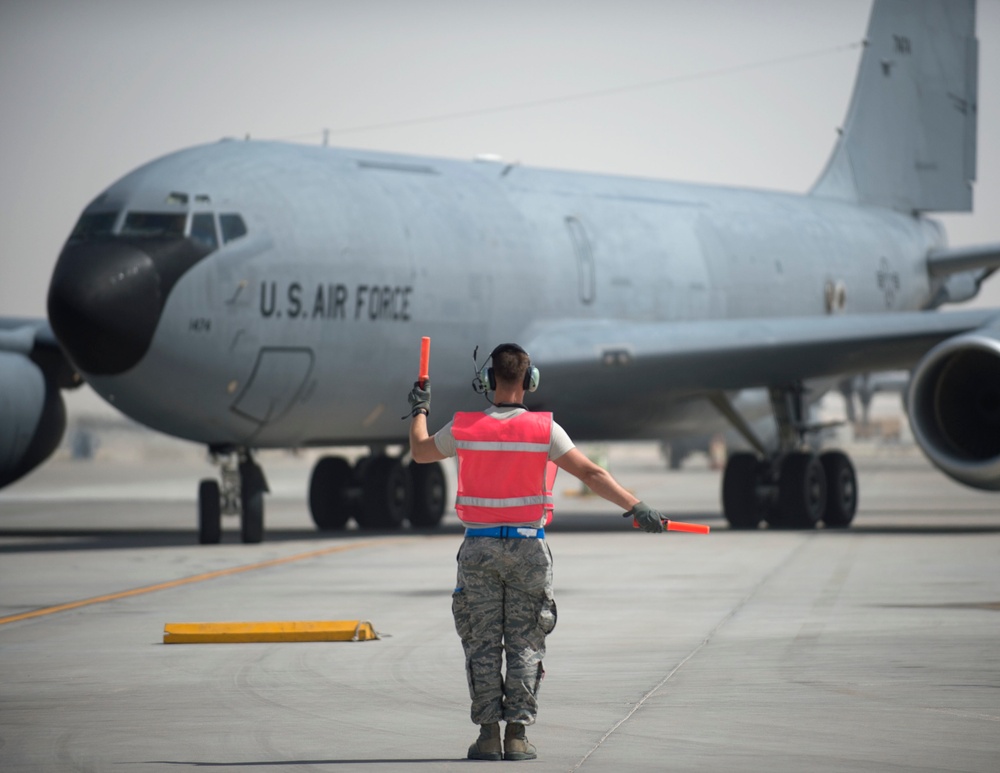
(791, 487)
(378, 492)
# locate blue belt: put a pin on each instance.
(507, 532)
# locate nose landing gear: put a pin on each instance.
(379, 492)
(240, 491)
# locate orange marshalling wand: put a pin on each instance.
(692, 528)
(425, 360)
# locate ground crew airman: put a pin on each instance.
(503, 602)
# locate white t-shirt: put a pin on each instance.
(561, 443)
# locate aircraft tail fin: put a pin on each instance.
(909, 141)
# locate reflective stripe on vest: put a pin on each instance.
(504, 473)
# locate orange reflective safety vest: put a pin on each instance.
(504, 472)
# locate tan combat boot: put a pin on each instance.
(487, 746)
(515, 745)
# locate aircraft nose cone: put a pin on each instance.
(104, 303)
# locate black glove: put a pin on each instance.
(420, 397)
(648, 519)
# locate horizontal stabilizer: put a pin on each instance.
(955, 260)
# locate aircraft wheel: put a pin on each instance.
(841, 489)
(801, 493)
(386, 494)
(429, 493)
(252, 518)
(328, 504)
(740, 504)
(209, 512)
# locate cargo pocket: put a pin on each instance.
(463, 625)
(539, 676)
(547, 615)
(460, 611)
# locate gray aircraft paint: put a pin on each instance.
(639, 299)
(303, 334)
(351, 256)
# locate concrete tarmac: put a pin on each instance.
(872, 649)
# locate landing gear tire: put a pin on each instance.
(328, 502)
(801, 493)
(252, 518)
(209, 513)
(386, 494)
(429, 493)
(841, 489)
(740, 503)
(252, 488)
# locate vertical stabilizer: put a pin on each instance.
(909, 141)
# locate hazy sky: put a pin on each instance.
(90, 90)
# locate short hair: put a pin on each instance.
(510, 363)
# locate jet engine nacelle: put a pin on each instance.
(32, 416)
(954, 408)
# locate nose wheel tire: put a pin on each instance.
(252, 517)
(209, 513)
(252, 489)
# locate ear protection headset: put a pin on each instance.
(488, 378)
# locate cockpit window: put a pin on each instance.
(203, 230)
(153, 224)
(161, 225)
(232, 226)
(94, 226)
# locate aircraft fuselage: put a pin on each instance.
(303, 330)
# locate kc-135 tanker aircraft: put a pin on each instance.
(250, 295)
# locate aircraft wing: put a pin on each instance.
(34, 339)
(640, 359)
(18, 335)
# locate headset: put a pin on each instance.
(485, 380)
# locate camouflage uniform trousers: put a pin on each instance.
(503, 605)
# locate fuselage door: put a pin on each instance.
(586, 275)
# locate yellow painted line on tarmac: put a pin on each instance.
(283, 631)
(195, 578)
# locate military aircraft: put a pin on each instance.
(248, 295)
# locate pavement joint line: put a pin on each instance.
(704, 642)
(44, 611)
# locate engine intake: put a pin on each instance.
(954, 407)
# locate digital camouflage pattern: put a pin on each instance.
(503, 605)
